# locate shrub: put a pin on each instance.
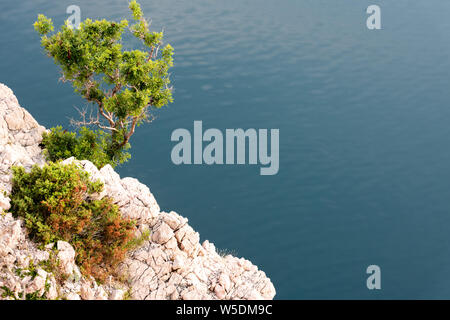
(55, 203)
(122, 85)
(89, 145)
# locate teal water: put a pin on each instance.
(364, 119)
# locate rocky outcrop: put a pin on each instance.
(171, 264)
(20, 136)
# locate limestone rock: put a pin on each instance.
(172, 264)
(162, 234)
(20, 136)
(117, 295)
(66, 256)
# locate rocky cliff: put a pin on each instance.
(172, 264)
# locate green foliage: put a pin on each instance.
(122, 84)
(35, 295)
(8, 293)
(137, 242)
(128, 295)
(43, 25)
(55, 203)
(87, 145)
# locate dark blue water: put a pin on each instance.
(364, 119)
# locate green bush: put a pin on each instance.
(89, 145)
(55, 203)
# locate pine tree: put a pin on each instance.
(121, 85)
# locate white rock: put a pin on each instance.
(178, 262)
(117, 294)
(73, 296)
(224, 281)
(171, 220)
(219, 291)
(86, 292)
(162, 234)
(66, 256)
(100, 294)
(4, 203)
(15, 119)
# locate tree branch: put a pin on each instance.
(90, 120)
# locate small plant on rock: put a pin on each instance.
(87, 145)
(56, 203)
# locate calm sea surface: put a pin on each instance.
(364, 119)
